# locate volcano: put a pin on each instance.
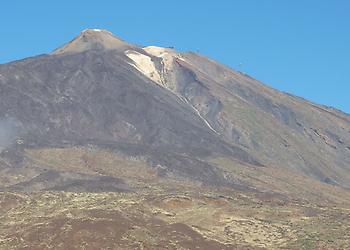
(100, 118)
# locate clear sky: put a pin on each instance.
(298, 46)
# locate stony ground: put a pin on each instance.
(270, 210)
(197, 219)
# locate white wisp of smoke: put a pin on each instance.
(8, 132)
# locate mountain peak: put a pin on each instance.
(96, 32)
(93, 39)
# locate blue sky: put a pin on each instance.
(300, 46)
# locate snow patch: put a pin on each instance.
(144, 64)
(164, 53)
(157, 51)
(89, 30)
(167, 57)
